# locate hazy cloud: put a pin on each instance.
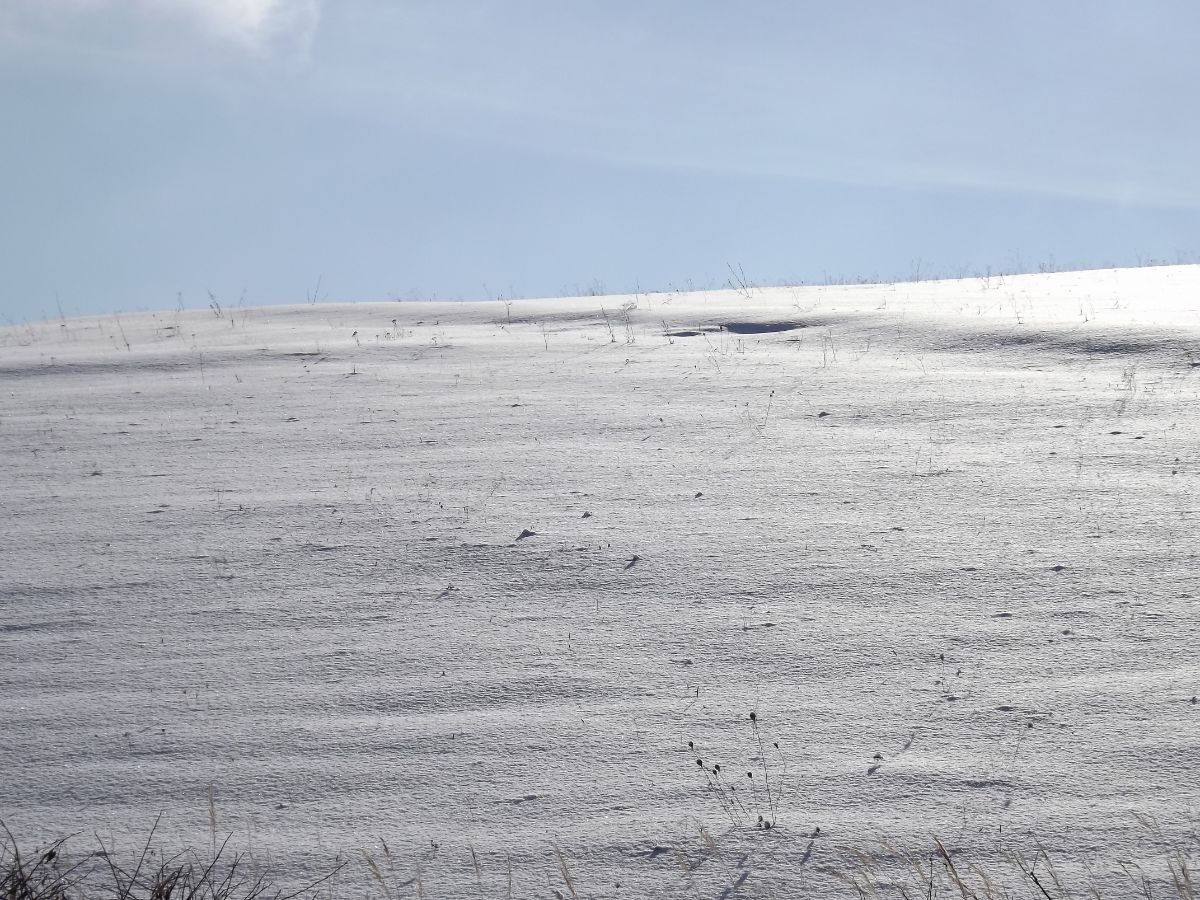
(257, 25)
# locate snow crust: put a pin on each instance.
(274, 553)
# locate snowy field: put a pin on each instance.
(940, 538)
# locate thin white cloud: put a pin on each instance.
(258, 25)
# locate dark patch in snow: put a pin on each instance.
(14, 627)
(762, 327)
(985, 783)
(1128, 343)
(122, 367)
(560, 318)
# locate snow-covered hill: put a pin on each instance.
(939, 537)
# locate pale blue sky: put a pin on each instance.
(467, 148)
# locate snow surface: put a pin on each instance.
(274, 553)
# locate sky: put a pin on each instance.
(275, 151)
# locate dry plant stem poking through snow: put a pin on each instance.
(749, 801)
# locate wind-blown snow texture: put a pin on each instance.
(274, 552)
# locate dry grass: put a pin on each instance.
(937, 871)
(881, 870)
(53, 873)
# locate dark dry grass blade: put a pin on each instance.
(39, 877)
(41, 881)
(952, 871)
